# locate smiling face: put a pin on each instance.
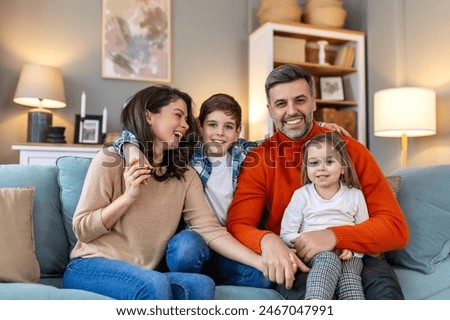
(324, 167)
(219, 131)
(168, 126)
(291, 106)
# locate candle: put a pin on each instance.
(83, 105)
(104, 120)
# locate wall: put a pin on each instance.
(209, 43)
(410, 48)
(209, 47)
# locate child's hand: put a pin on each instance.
(346, 254)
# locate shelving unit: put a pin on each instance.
(261, 62)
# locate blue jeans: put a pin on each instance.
(188, 252)
(379, 282)
(125, 281)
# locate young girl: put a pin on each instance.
(126, 215)
(330, 196)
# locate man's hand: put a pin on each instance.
(309, 244)
(336, 128)
(279, 261)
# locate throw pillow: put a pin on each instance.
(18, 262)
(394, 182)
(424, 200)
(71, 175)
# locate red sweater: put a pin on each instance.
(271, 174)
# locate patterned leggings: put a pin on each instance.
(330, 275)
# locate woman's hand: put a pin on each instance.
(131, 152)
(135, 175)
(279, 261)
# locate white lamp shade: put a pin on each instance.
(40, 86)
(405, 110)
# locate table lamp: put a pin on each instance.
(405, 112)
(40, 87)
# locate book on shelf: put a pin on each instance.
(345, 57)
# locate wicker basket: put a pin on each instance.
(276, 11)
(326, 16)
(311, 4)
(344, 118)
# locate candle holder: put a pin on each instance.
(56, 135)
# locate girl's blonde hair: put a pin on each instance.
(334, 140)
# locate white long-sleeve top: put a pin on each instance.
(308, 211)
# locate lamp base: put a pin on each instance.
(39, 121)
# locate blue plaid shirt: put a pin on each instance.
(239, 150)
(127, 136)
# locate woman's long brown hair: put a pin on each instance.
(153, 99)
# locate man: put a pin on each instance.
(270, 175)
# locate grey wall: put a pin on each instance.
(209, 46)
(408, 46)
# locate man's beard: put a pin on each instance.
(298, 133)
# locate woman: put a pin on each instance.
(126, 215)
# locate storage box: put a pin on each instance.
(288, 50)
(345, 118)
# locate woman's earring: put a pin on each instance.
(149, 123)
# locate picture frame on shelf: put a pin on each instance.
(92, 129)
(332, 88)
(136, 40)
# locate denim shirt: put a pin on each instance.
(127, 137)
(239, 150)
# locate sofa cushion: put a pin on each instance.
(33, 291)
(424, 199)
(225, 292)
(394, 183)
(18, 262)
(418, 286)
(72, 171)
(52, 247)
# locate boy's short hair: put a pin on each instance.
(222, 102)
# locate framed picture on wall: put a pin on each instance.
(332, 88)
(136, 36)
(92, 130)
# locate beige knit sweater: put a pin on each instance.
(141, 235)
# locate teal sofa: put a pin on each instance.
(423, 194)
(57, 190)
